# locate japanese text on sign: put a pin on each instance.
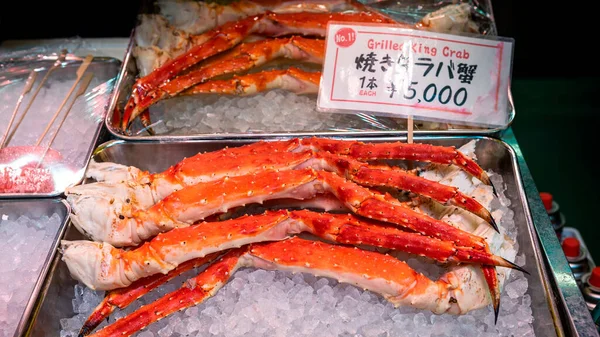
(431, 76)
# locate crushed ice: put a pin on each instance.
(275, 303)
(25, 244)
(272, 111)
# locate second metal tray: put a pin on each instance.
(377, 126)
(492, 154)
(76, 139)
(34, 210)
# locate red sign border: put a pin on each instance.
(499, 45)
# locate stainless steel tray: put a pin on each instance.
(129, 72)
(491, 153)
(36, 209)
(87, 114)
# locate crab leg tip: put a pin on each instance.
(86, 330)
(496, 304)
(491, 278)
(515, 266)
(494, 190)
(496, 310)
(493, 223)
(102, 311)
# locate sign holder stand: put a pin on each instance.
(410, 129)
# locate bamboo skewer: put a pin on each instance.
(82, 88)
(82, 68)
(411, 125)
(61, 58)
(26, 89)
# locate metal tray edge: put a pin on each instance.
(563, 280)
(41, 285)
(539, 255)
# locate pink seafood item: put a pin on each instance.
(26, 180)
(19, 172)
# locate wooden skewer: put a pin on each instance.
(410, 129)
(410, 165)
(82, 88)
(57, 63)
(26, 89)
(82, 68)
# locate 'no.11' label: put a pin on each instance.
(431, 76)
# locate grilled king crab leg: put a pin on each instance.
(198, 167)
(380, 273)
(242, 58)
(231, 34)
(397, 150)
(99, 204)
(100, 266)
(196, 202)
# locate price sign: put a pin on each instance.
(403, 72)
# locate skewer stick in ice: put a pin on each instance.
(82, 68)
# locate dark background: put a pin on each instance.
(555, 84)
(533, 25)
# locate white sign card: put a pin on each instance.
(387, 70)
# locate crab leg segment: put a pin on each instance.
(204, 166)
(194, 203)
(348, 229)
(380, 273)
(230, 35)
(364, 202)
(193, 291)
(101, 266)
(126, 189)
(398, 150)
(491, 279)
(292, 79)
(121, 298)
(363, 174)
(250, 55)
